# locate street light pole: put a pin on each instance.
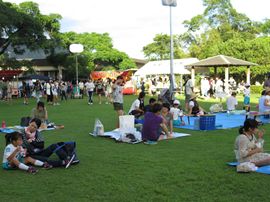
(77, 72)
(171, 54)
(76, 48)
(171, 3)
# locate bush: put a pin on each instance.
(256, 89)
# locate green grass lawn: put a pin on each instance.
(184, 169)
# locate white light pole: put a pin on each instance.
(171, 3)
(76, 48)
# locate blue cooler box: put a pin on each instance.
(208, 122)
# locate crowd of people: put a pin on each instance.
(159, 118)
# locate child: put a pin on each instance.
(247, 97)
(15, 155)
(176, 112)
(231, 102)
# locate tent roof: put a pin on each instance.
(221, 61)
(163, 67)
(10, 73)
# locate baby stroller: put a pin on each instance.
(166, 96)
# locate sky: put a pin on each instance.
(133, 24)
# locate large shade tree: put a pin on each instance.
(222, 30)
(98, 54)
(159, 49)
(24, 27)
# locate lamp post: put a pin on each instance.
(171, 3)
(76, 48)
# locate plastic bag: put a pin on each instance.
(98, 128)
(216, 108)
(246, 167)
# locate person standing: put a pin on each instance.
(9, 91)
(63, 89)
(37, 90)
(189, 86)
(26, 92)
(49, 92)
(108, 90)
(81, 87)
(90, 86)
(118, 96)
(100, 89)
(247, 97)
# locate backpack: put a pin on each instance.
(69, 148)
(25, 121)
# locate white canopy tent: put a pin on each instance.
(163, 67)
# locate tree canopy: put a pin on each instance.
(23, 27)
(220, 29)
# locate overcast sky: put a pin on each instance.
(133, 24)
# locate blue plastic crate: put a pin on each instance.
(208, 122)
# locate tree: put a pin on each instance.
(98, 52)
(160, 48)
(24, 26)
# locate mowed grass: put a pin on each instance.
(184, 169)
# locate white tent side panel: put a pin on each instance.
(163, 67)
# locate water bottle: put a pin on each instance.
(260, 143)
(3, 124)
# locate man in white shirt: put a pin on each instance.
(231, 102)
(90, 86)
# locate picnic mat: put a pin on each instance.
(6, 130)
(22, 127)
(262, 169)
(116, 134)
(223, 121)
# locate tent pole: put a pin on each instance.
(227, 80)
(248, 74)
(193, 75)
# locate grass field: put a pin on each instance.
(184, 169)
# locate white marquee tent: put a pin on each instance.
(163, 67)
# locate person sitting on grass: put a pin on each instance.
(231, 102)
(40, 112)
(247, 148)
(148, 108)
(176, 112)
(137, 107)
(194, 108)
(261, 102)
(153, 125)
(34, 143)
(16, 157)
(267, 101)
(168, 117)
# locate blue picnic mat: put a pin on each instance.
(223, 121)
(263, 169)
(6, 130)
